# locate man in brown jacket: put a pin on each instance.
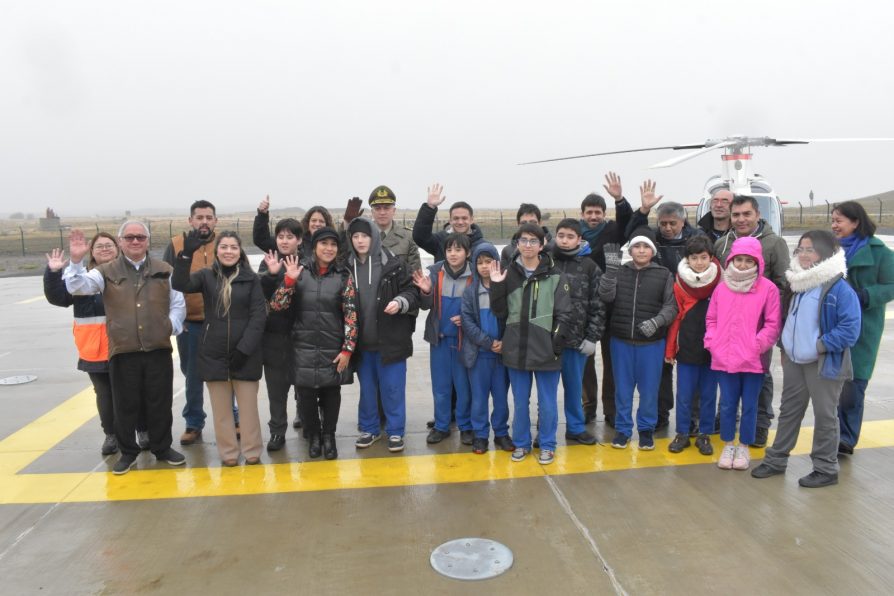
(142, 312)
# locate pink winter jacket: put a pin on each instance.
(741, 328)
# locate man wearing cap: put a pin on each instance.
(396, 239)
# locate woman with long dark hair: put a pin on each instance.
(870, 271)
(230, 347)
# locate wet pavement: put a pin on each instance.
(598, 521)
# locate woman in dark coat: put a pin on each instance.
(324, 335)
(230, 350)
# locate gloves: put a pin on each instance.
(648, 327)
(587, 348)
(191, 243)
(353, 210)
(237, 360)
(612, 258)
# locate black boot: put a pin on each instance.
(329, 450)
(314, 450)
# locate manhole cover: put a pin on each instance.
(17, 380)
(471, 558)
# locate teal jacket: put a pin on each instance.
(537, 311)
(872, 270)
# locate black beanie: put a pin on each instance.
(322, 233)
(359, 224)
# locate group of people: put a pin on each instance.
(331, 302)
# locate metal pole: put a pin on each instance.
(879, 211)
(828, 211)
(800, 212)
(22, 232)
(237, 225)
(501, 224)
(61, 245)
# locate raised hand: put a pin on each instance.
(264, 205)
(77, 246)
(56, 259)
(191, 243)
(274, 265)
(293, 269)
(352, 210)
(497, 273)
(422, 281)
(648, 198)
(435, 197)
(612, 254)
(613, 185)
(392, 308)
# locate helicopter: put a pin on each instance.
(737, 174)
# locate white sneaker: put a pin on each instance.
(726, 457)
(742, 459)
(546, 457)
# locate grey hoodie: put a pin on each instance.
(367, 274)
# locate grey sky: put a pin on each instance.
(113, 105)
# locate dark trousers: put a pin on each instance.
(590, 387)
(143, 381)
(278, 378)
(325, 401)
(666, 393)
(765, 402)
(102, 386)
(608, 379)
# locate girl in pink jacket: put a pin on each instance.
(743, 323)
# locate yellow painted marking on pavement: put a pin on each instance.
(30, 300)
(24, 446)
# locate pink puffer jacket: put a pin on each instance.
(741, 328)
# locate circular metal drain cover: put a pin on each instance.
(17, 380)
(471, 558)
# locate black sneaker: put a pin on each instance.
(109, 445)
(760, 437)
(175, 458)
(365, 440)
(620, 441)
(583, 438)
(818, 480)
(436, 436)
(276, 442)
(646, 442)
(845, 449)
(466, 437)
(479, 446)
(703, 442)
(395, 443)
(124, 464)
(504, 443)
(765, 471)
(679, 443)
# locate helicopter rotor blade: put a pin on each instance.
(851, 140)
(681, 158)
(676, 147)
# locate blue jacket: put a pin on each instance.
(475, 337)
(440, 300)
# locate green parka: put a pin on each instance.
(871, 269)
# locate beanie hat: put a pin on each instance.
(382, 195)
(642, 240)
(359, 224)
(323, 233)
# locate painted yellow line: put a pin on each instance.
(171, 483)
(30, 300)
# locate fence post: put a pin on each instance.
(149, 228)
(22, 232)
(61, 245)
(828, 211)
(879, 211)
(501, 224)
(97, 228)
(800, 213)
(170, 229)
(237, 225)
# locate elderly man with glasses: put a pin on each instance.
(142, 312)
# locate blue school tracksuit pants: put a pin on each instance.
(636, 366)
(447, 374)
(733, 388)
(548, 415)
(389, 381)
(692, 378)
(488, 377)
(572, 384)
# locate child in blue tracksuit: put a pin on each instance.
(441, 292)
(481, 348)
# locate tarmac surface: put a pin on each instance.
(597, 521)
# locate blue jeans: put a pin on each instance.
(488, 377)
(850, 410)
(692, 378)
(188, 346)
(733, 387)
(447, 374)
(636, 366)
(389, 381)
(572, 383)
(547, 407)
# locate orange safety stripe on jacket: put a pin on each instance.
(91, 338)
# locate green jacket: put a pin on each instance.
(537, 311)
(871, 269)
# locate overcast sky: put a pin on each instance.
(114, 105)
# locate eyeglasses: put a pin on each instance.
(104, 246)
(804, 251)
(135, 238)
(528, 242)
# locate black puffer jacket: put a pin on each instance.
(223, 333)
(638, 295)
(325, 323)
(587, 310)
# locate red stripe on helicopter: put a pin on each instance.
(737, 156)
